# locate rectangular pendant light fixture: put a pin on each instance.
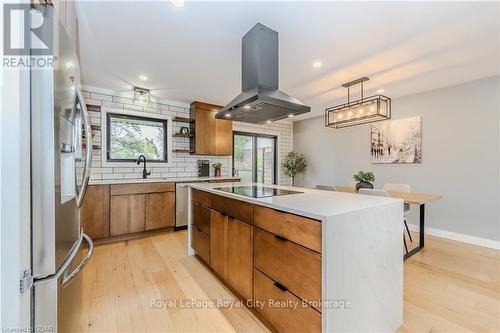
(362, 111)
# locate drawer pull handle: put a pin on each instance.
(196, 204)
(281, 238)
(280, 286)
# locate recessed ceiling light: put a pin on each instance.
(143, 77)
(317, 64)
(380, 91)
(178, 3)
(247, 107)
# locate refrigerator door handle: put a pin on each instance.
(77, 270)
(88, 154)
(64, 266)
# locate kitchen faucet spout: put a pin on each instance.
(145, 173)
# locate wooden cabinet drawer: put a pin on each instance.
(283, 319)
(240, 210)
(201, 245)
(201, 217)
(122, 189)
(201, 197)
(301, 230)
(292, 265)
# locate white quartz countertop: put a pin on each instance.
(316, 204)
(158, 180)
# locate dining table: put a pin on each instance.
(411, 198)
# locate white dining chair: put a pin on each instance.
(326, 187)
(384, 193)
(405, 188)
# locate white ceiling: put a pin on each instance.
(195, 51)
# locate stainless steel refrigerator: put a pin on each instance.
(61, 153)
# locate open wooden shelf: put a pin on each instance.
(183, 120)
(180, 135)
(95, 108)
(182, 150)
(93, 147)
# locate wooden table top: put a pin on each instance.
(409, 198)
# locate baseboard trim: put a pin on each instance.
(484, 242)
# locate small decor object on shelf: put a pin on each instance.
(217, 168)
(364, 179)
(184, 130)
(293, 164)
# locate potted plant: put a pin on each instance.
(293, 164)
(217, 168)
(364, 179)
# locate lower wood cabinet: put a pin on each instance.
(201, 217)
(127, 214)
(239, 257)
(292, 265)
(118, 210)
(231, 252)
(160, 210)
(218, 243)
(264, 255)
(94, 213)
(283, 319)
(201, 244)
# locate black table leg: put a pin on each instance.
(421, 236)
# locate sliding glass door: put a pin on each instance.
(254, 157)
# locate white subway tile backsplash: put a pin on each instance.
(95, 176)
(92, 101)
(123, 170)
(132, 107)
(112, 105)
(182, 164)
(132, 175)
(112, 176)
(101, 97)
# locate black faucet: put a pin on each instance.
(145, 173)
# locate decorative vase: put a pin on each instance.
(363, 185)
(217, 172)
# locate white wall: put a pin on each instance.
(183, 164)
(460, 156)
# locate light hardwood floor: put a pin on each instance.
(448, 287)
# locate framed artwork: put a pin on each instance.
(397, 141)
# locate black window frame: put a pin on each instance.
(254, 160)
(126, 116)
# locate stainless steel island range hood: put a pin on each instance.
(261, 100)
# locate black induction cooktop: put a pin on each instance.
(256, 191)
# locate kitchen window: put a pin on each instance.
(254, 157)
(128, 136)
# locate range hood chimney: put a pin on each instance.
(261, 100)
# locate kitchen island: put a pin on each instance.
(303, 262)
